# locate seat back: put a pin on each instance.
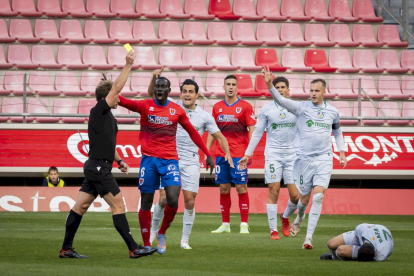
(267, 32)
(217, 56)
(339, 8)
(193, 56)
(19, 54)
(291, 8)
(267, 8)
(95, 29)
(292, 58)
(218, 31)
(169, 56)
(388, 59)
(340, 59)
(169, 30)
(242, 31)
(363, 33)
(45, 28)
(242, 57)
(315, 8)
(363, 59)
(20, 28)
(194, 30)
(68, 54)
(315, 33)
(43, 54)
(339, 33)
(291, 32)
(120, 29)
(316, 58)
(70, 29)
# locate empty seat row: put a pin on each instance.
(222, 9)
(193, 32)
(339, 86)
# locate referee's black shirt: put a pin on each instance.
(102, 130)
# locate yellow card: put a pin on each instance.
(128, 47)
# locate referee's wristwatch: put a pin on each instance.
(119, 162)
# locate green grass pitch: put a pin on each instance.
(30, 243)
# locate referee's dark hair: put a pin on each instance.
(321, 81)
(280, 79)
(189, 82)
(164, 78)
(103, 89)
(230, 77)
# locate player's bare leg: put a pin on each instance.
(188, 217)
(314, 214)
(244, 207)
(271, 207)
(158, 214)
(333, 245)
(290, 208)
(225, 204)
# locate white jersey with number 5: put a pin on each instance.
(379, 236)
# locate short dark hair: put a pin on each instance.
(280, 79)
(164, 78)
(230, 77)
(53, 168)
(103, 89)
(189, 82)
(320, 80)
(366, 252)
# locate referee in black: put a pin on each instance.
(102, 130)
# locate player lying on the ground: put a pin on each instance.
(280, 155)
(188, 155)
(368, 242)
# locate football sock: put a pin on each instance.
(301, 210)
(188, 221)
(225, 204)
(333, 252)
(122, 226)
(290, 209)
(169, 214)
(244, 207)
(73, 221)
(272, 216)
(315, 212)
(145, 224)
(157, 217)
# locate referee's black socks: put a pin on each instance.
(121, 224)
(72, 223)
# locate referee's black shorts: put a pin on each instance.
(99, 178)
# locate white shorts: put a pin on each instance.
(311, 172)
(275, 170)
(349, 238)
(190, 177)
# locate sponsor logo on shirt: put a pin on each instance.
(220, 110)
(311, 123)
(176, 179)
(284, 125)
(172, 111)
(227, 118)
(159, 120)
(151, 108)
(238, 109)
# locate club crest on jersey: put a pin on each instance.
(141, 181)
(238, 109)
(172, 111)
(172, 167)
(320, 115)
(273, 176)
(282, 115)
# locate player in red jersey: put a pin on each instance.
(234, 117)
(159, 163)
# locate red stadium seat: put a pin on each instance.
(195, 33)
(170, 32)
(244, 34)
(219, 58)
(67, 106)
(214, 85)
(293, 59)
(19, 56)
(94, 56)
(123, 111)
(340, 86)
(126, 90)
(144, 30)
(13, 82)
(41, 83)
(344, 111)
(197, 78)
(173, 9)
(96, 31)
(75, 8)
(171, 58)
(339, 33)
(293, 10)
(121, 31)
(341, 11)
(70, 58)
(149, 9)
(22, 30)
(268, 57)
(307, 85)
(222, 10)
(408, 110)
(364, 60)
(267, 32)
(243, 59)
(197, 9)
(67, 84)
(364, 10)
(389, 60)
(367, 85)
(296, 87)
(364, 35)
(85, 106)
(316, 34)
(246, 10)
(34, 106)
(124, 9)
(89, 81)
(407, 86)
(390, 87)
(269, 10)
(47, 32)
(194, 57)
(407, 60)
(5, 9)
(175, 85)
(71, 30)
(258, 105)
(317, 10)
(368, 110)
(261, 87)
(25, 8)
(116, 57)
(389, 35)
(292, 33)
(4, 32)
(3, 92)
(391, 109)
(209, 108)
(99, 8)
(43, 55)
(317, 60)
(219, 33)
(14, 105)
(3, 62)
(51, 8)
(145, 58)
(340, 59)
(140, 82)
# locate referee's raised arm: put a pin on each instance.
(121, 79)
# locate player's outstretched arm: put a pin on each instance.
(210, 141)
(128, 104)
(122, 165)
(155, 74)
(120, 81)
(224, 144)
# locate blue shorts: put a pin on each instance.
(155, 172)
(226, 174)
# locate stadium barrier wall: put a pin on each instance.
(336, 201)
